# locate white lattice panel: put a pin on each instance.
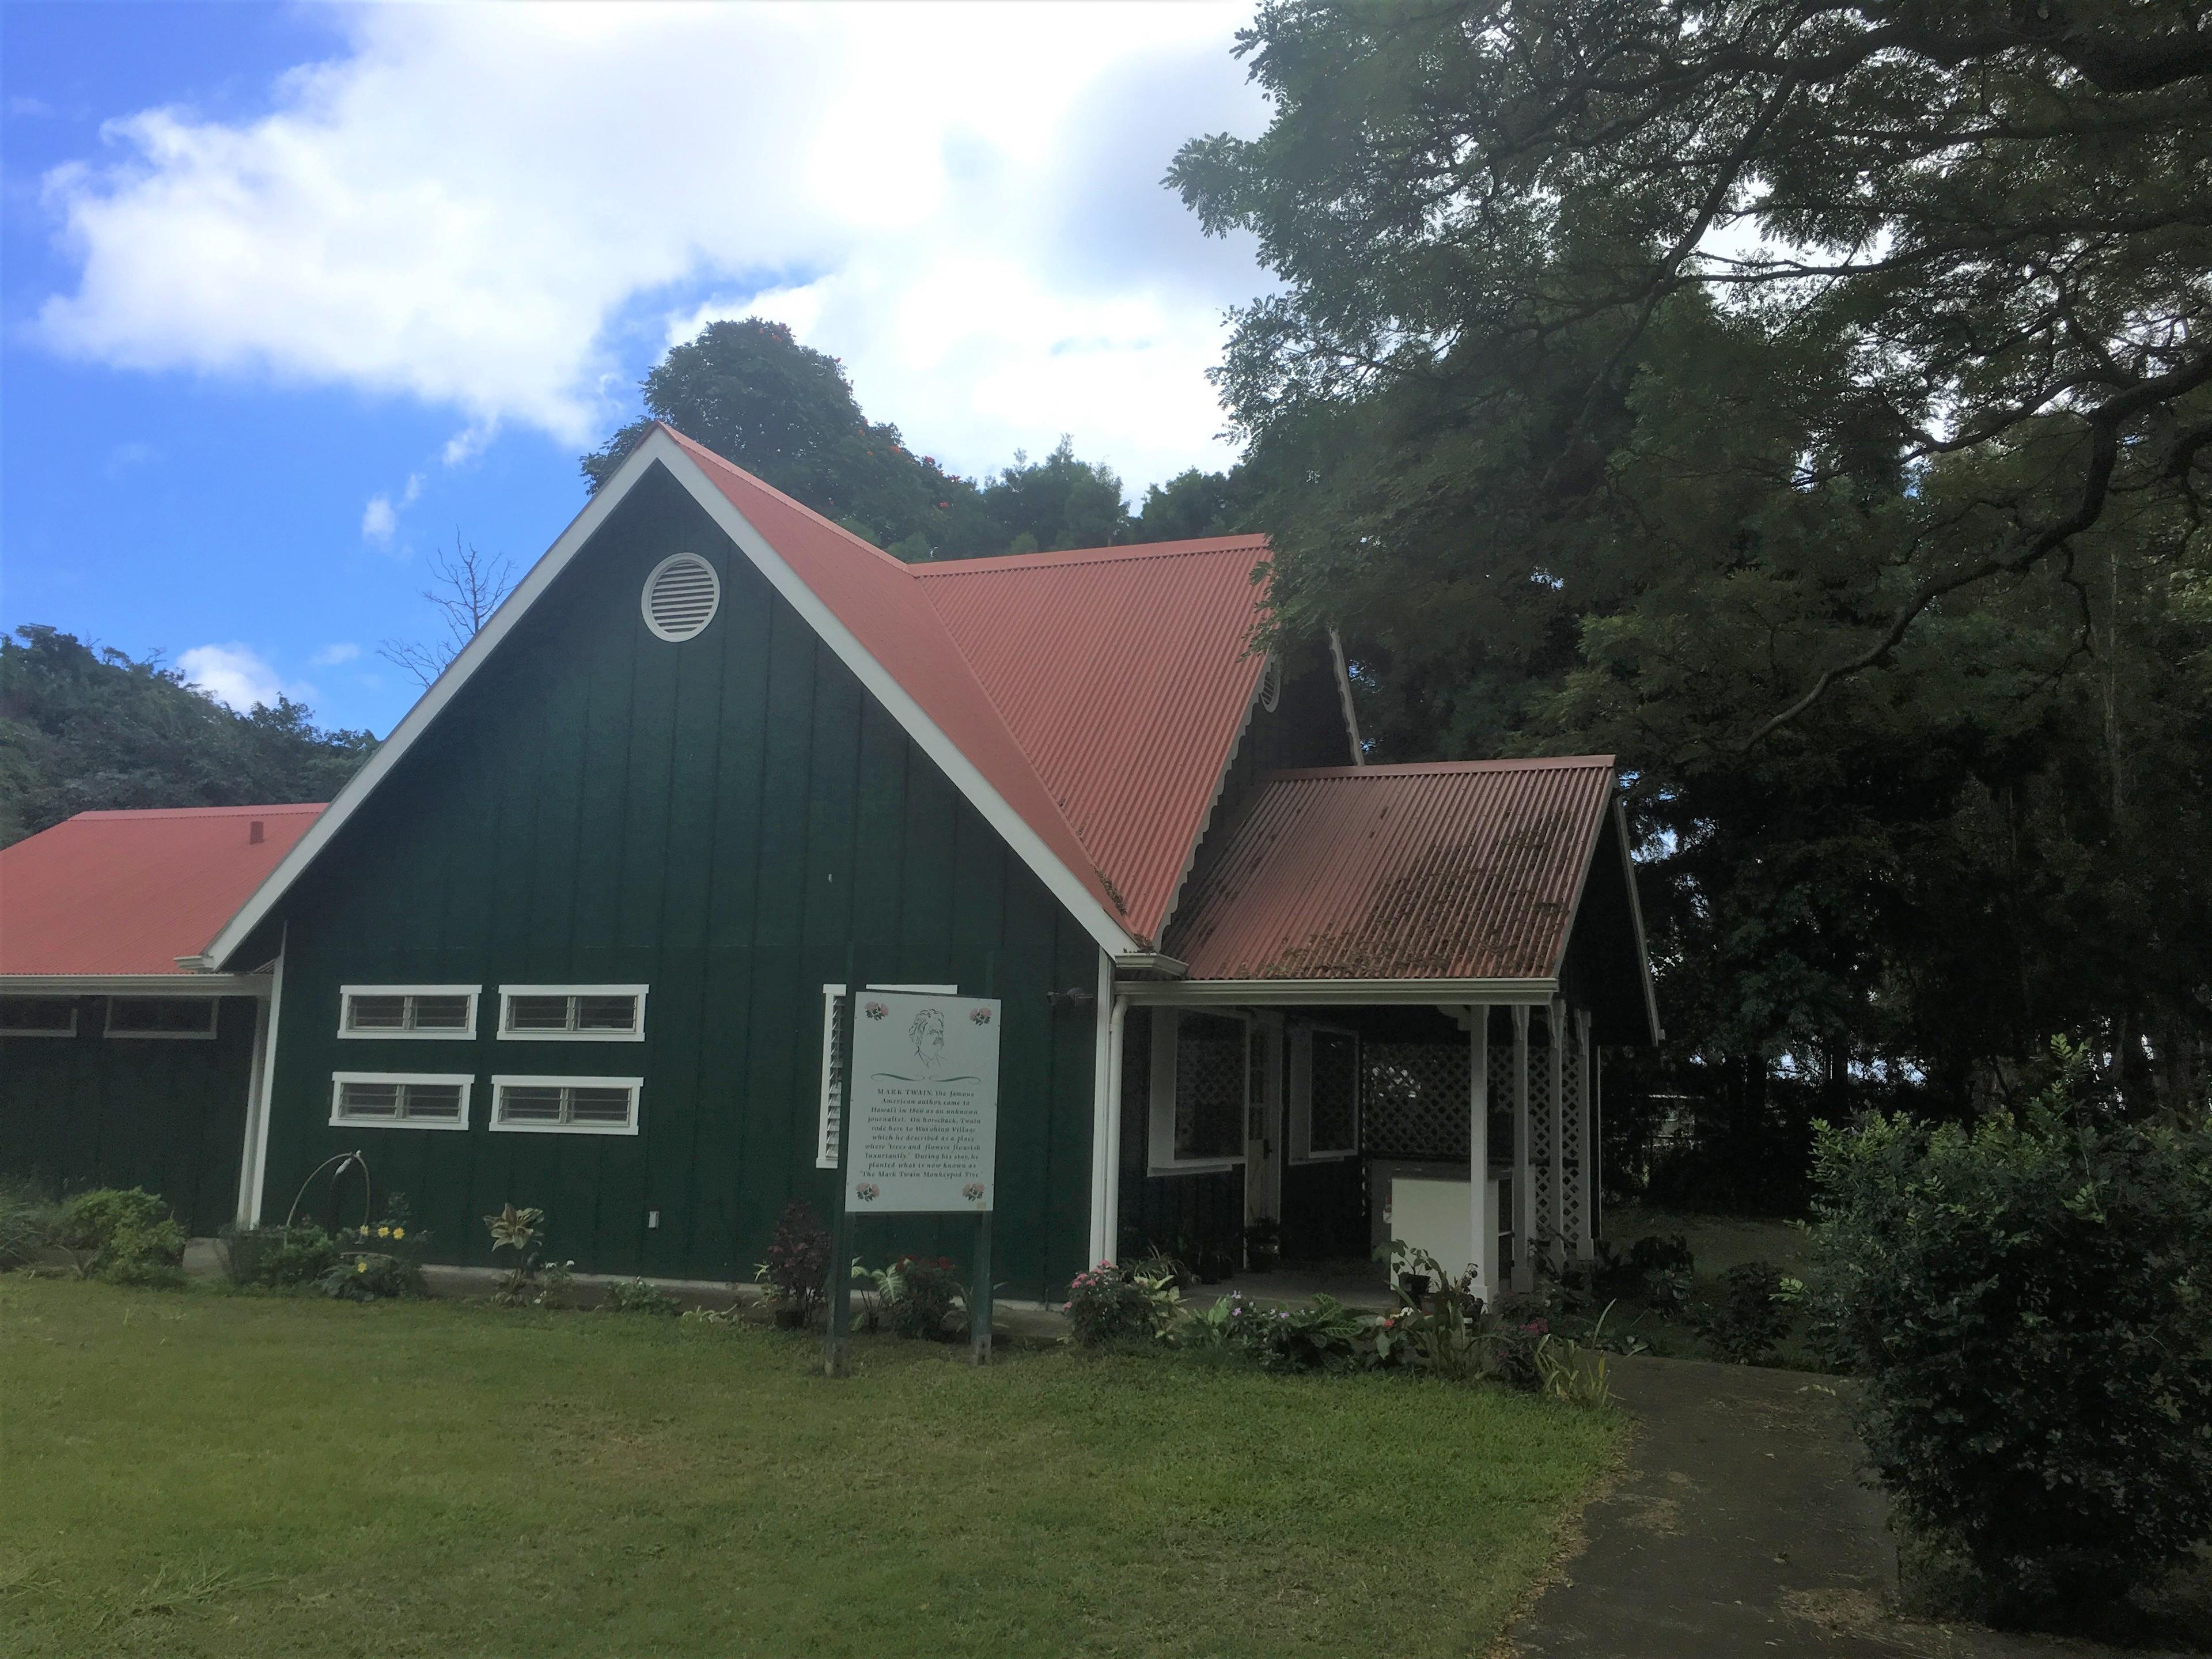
(1414, 1100)
(1570, 1192)
(1543, 1207)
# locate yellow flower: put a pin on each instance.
(399, 1232)
(360, 1267)
(384, 1233)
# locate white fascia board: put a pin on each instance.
(1307, 993)
(1063, 883)
(1582, 876)
(1343, 693)
(135, 985)
(1636, 916)
(433, 702)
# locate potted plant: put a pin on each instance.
(1263, 1244)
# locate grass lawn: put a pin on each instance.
(197, 1472)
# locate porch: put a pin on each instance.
(1279, 1146)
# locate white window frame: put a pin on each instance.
(508, 992)
(1301, 1095)
(505, 1081)
(1159, 1103)
(825, 1125)
(409, 1034)
(214, 1016)
(75, 1009)
(440, 1080)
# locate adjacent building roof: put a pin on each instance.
(127, 893)
(1468, 870)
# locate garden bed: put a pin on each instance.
(208, 1473)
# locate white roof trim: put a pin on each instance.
(1272, 992)
(1636, 916)
(658, 446)
(135, 985)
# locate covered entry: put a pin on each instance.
(1276, 1105)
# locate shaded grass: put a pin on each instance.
(211, 1474)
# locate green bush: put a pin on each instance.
(124, 1235)
(919, 1296)
(28, 1220)
(1112, 1304)
(2030, 1303)
(276, 1257)
(371, 1276)
(636, 1295)
(1746, 1320)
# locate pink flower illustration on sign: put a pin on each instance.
(867, 1192)
(981, 1016)
(875, 1010)
(972, 1191)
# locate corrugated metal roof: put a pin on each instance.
(1124, 675)
(1466, 870)
(1099, 691)
(131, 892)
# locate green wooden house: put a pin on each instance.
(574, 937)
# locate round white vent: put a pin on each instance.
(681, 596)
(1271, 682)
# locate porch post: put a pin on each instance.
(1482, 1253)
(1586, 1143)
(1555, 1031)
(1524, 1176)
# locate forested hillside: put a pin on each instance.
(87, 728)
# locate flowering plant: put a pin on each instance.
(1111, 1304)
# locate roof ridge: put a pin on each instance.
(1060, 558)
(698, 449)
(1413, 768)
(104, 813)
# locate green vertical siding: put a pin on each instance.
(167, 1114)
(730, 820)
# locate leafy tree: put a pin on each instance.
(1195, 503)
(86, 729)
(786, 414)
(1809, 404)
(1058, 502)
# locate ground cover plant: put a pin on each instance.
(125, 1234)
(2030, 1305)
(429, 1477)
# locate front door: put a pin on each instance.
(1263, 1136)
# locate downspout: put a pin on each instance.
(1106, 1120)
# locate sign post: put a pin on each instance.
(920, 1131)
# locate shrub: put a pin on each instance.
(797, 1265)
(371, 1276)
(1749, 1317)
(919, 1297)
(530, 1281)
(635, 1295)
(1112, 1304)
(124, 1235)
(28, 1220)
(2030, 1303)
(276, 1256)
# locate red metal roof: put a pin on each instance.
(131, 892)
(1124, 675)
(1460, 870)
(1099, 691)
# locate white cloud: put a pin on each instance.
(469, 442)
(236, 675)
(380, 518)
(476, 206)
(330, 655)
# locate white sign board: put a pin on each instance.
(923, 1133)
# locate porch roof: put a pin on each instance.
(1468, 872)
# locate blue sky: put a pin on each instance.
(291, 295)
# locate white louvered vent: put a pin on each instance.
(681, 596)
(1271, 682)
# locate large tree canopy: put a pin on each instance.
(84, 729)
(1808, 402)
(788, 414)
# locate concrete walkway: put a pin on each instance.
(1740, 1529)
